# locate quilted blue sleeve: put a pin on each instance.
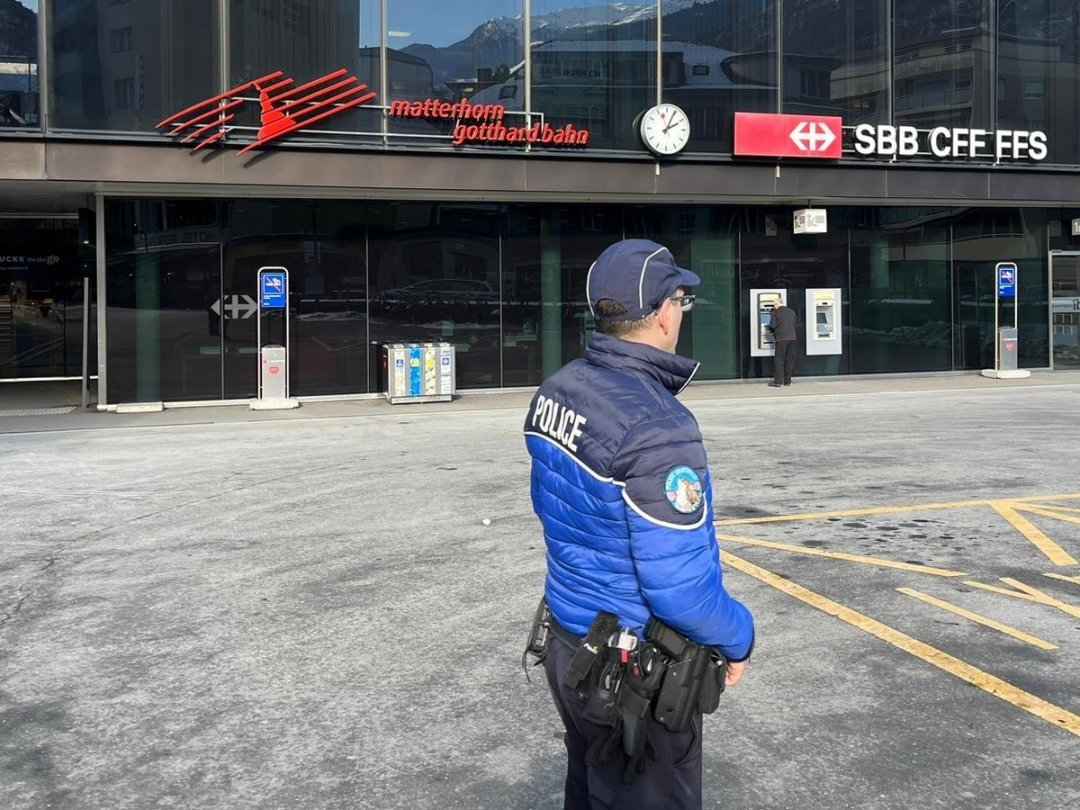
(668, 496)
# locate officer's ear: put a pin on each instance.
(665, 316)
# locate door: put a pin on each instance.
(1065, 310)
(41, 300)
(974, 317)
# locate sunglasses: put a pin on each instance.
(684, 302)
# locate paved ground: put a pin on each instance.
(219, 609)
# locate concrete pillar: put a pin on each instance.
(551, 320)
(147, 327)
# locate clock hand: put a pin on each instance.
(669, 126)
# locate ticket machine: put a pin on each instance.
(823, 321)
(762, 303)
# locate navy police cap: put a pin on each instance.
(637, 273)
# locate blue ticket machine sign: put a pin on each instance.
(1006, 280)
(272, 291)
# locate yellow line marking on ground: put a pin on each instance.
(1063, 578)
(1003, 591)
(1056, 508)
(1052, 550)
(1045, 512)
(874, 510)
(1027, 593)
(979, 619)
(1046, 598)
(883, 510)
(840, 555)
(931, 655)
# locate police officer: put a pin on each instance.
(621, 485)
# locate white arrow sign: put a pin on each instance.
(236, 306)
(811, 136)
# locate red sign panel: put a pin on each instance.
(799, 136)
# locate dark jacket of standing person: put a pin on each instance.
(782, 323)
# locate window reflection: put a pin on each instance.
(126, 66)
(443, 51)
(166, 318)
(305, 40)
(719, 57)
(594, 67)
(900, 315)
(941, 68)
(18, 64)
(434, 277)
(835, 60)
(1038, 68)
(980, 239)
(505, 284)
(1065, 293)
(41, 298)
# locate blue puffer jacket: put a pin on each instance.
(621, 485)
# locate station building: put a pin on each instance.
(435, 171)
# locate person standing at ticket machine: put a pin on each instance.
(782, 327)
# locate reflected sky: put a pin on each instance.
(427, 25)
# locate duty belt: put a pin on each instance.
(571, 640)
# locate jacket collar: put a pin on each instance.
(672, 371)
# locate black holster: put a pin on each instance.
(692, 681)
(588, 657)
(539, 636)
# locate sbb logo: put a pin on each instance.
(886, 140)
(942, 142)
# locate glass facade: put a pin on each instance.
(19, 64)
(1038, 68)
(127, 64)
(306, 40)
(836, 59)
(42, 268)
(942, 64)
(900, 312)
(594, 67)
(505, 283)
(450, 52)
(122, 65)
(719, 58)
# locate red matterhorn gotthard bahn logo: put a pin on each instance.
(284, 109)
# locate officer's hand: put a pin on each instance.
(734, 673)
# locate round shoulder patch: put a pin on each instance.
(683, 488)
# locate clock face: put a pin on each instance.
(665, 129)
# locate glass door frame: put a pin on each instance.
(1050, 296)
(78, 283)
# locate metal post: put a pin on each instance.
(1016, 308)
(85, 343)
(997, 312)
(102, 309)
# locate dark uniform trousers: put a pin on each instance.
(671, 782)
(785, 362)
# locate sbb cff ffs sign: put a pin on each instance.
(800, 136)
